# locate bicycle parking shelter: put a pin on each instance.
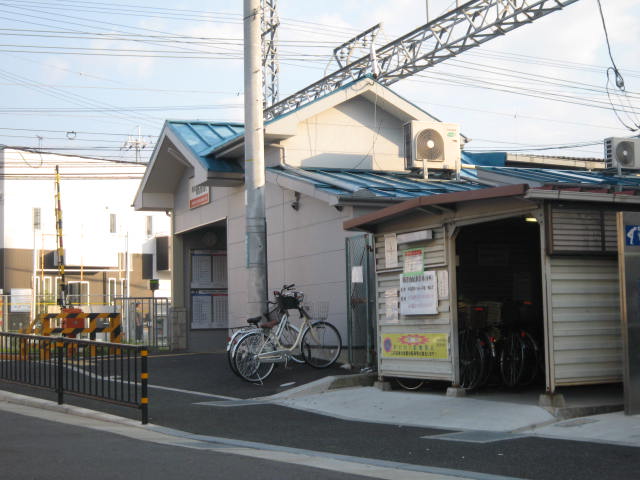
(542, 254)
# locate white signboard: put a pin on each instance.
(391, 306)
(357, 275)
(443, 284)
(413, 260)
(208, 269)
(21, 300)
(199, 195)
(208, 310)
(419, 293)
(390, 251)
(418, 236)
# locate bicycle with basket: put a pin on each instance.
(272, 339)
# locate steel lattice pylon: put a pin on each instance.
(270, 63)
(467, 26)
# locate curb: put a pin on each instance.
(34, 402)
(332, 382)
(565, 413)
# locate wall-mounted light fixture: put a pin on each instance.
(296, 203)
(531, 219)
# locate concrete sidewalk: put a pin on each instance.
(515, 413)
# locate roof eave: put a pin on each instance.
(365, 222)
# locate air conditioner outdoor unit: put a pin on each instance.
(622, 153)
(432, 145)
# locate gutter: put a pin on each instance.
(611, 198)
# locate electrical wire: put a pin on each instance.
(633, 124)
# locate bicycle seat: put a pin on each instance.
(254, 320)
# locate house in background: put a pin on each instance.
(110, 249)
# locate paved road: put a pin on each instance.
(32, 448)
(526, 457)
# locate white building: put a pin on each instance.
(109, 248)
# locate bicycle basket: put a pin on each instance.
(289, 302)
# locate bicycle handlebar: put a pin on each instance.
(288, 287)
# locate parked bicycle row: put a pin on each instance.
(497, 353)
(273, 338)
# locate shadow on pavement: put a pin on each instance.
(210, 373)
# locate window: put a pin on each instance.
(48, 291)
(123, 288)
(36, 218)
(78, 293)
(149, 226)
(573, 231)
(113, 223)
(112, 292)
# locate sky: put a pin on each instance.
(100, 78)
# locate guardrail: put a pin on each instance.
(110, 372)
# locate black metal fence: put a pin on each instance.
(110, 372)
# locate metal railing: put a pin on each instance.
(153, 330)
(145, 320)
(110, 372)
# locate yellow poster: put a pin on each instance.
(432, 346)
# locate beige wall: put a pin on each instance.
(355, 134)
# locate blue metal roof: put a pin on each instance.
(570, 177)
(203, 138)
(490, 159)
(345, 182)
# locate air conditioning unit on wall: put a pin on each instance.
(622, 153)
(432, 145)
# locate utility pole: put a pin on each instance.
(137, 144)
(256, 230)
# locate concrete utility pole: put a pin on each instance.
(256, 235)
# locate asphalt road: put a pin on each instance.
(32, 448)
(528, 457)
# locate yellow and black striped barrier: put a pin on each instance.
(114, 326)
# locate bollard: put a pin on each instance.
(60, 371)
(144, 379)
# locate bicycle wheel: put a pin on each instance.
(512, 359)
(247, 363)
(288, 338)
(231, 347)
(321, 345)
(471, 361)
(409, 383)
(532, 359)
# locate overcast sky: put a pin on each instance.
(83, 76)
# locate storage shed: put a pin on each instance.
(535, 253)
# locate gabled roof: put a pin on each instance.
(285, 125)
(203, 138)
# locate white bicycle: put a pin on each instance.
(254, 352)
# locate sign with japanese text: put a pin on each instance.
(432, 346)
(199, 195)
(419, 293)
(413, 260)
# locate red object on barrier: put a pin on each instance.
(73, 322)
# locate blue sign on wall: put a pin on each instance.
(632, 235)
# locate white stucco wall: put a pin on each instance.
(355, 134)
(90, 191)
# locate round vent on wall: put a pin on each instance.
(625, 154)
(209, 239)
(430, 146)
